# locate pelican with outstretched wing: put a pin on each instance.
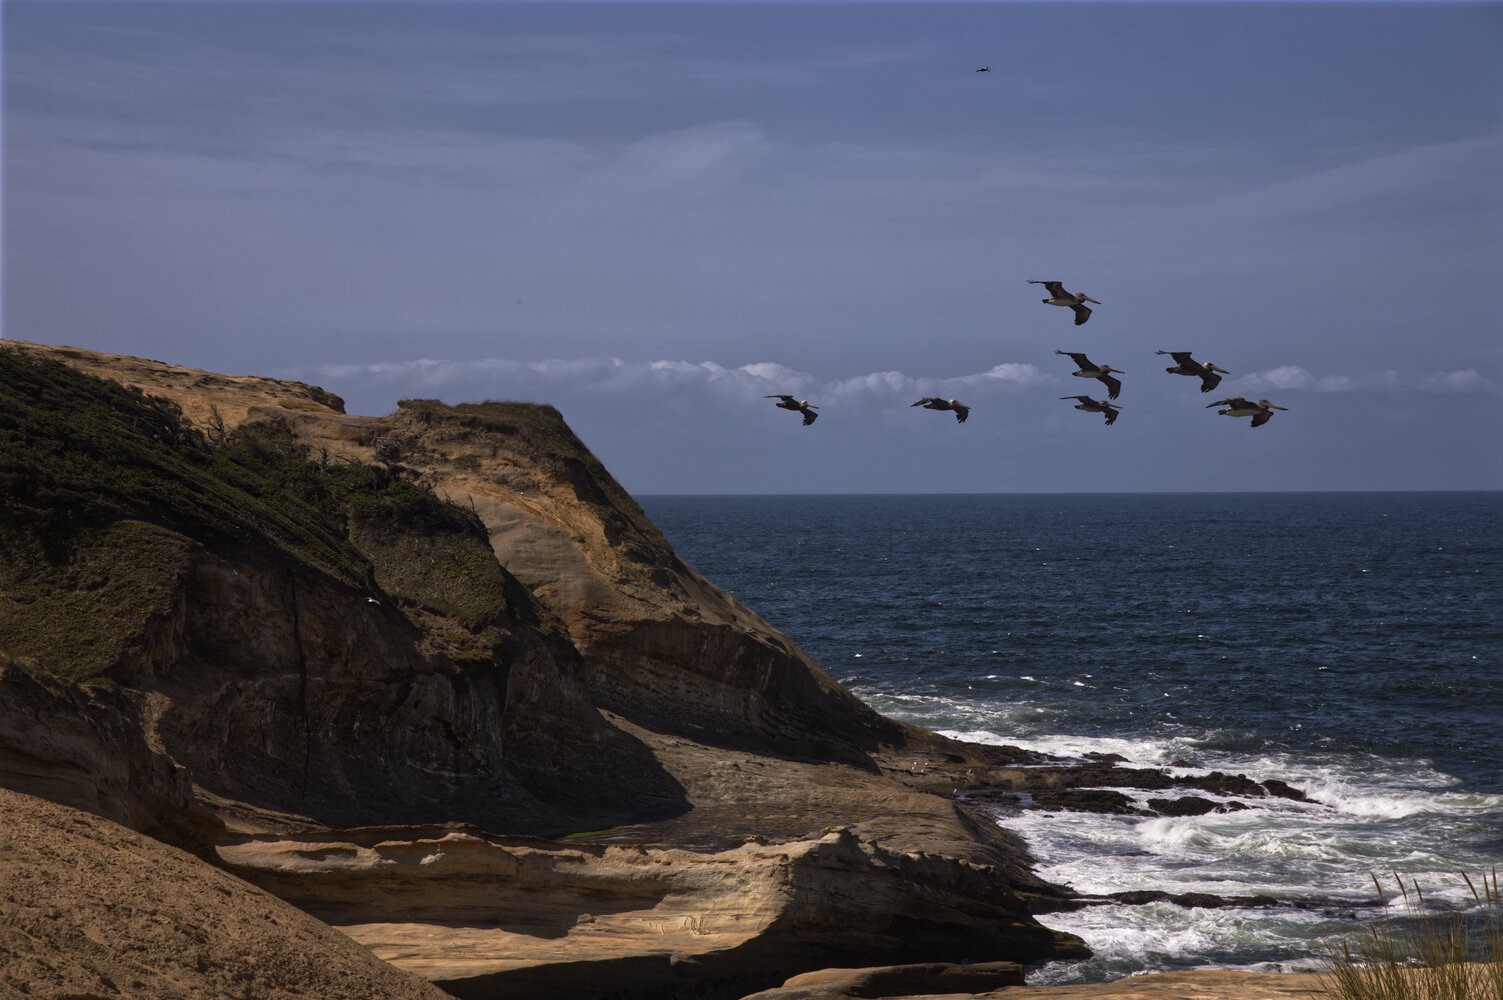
(1186, 365)
(935, 403)
(1096, 406)
(803, 406)
(1073, 300)
(1261, 411)
(1100, 372)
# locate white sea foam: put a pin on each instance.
(1367, 817)
(1161, 935)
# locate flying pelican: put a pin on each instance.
(1075, 300)
(803, 406)
(1186, 365)
(1102, 372)
(984, 69)
(1261, 411)
(935, 403)
(1096, 406)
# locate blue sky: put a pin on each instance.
(653, 215)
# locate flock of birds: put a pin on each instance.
(1209, 374)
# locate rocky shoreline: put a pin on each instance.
(510, 744)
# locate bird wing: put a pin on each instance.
(1111, 415)
(961, 412)
(1080, 359)
(810, 416)
(1082, 313)
(1209, 381)
(1113, 386)
(926, 401)
(784, 397)
(1261, 417)
(1054, 287)
(1182, 357)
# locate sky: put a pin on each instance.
(652, 216)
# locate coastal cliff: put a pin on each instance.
(435, 679)
(353, 659)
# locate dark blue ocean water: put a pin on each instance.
(1351, 644)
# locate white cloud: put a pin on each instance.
(1293, 378)
(1465, 380)
(1011, 372)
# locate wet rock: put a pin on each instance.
(1095, 800)
(1285, 791)
(1188, 805)
(1227, 784)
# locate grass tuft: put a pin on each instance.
(1423, 954)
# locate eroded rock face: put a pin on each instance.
(545, 919)
(297, 695)
(660, 644)
(85, 749)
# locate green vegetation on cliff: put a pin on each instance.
(104, 490)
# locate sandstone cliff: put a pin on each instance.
(341, 656)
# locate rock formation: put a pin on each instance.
(434, 678)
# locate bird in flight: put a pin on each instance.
(1096, 406)
(1261, 411)
(984, 69)
(1186, 365)
(1073, 300)
(1100, 372)
(935, 403)
(803, 406)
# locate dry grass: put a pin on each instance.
(1424, 955)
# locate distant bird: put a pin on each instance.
(984, 69)
(935, 403)
(1261, 411)
(803, 406)
(1074, 300)
(1096, 406)
(1101, 372)
(1187, 365)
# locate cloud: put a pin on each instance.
(1293, 378)
(1420, 171)
(690, 162)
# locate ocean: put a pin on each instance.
(1350, 644)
